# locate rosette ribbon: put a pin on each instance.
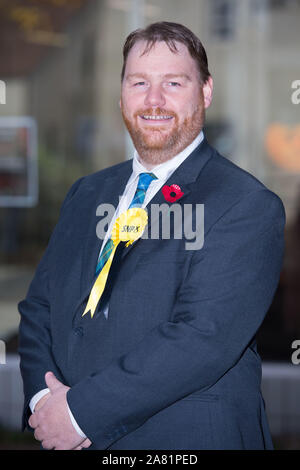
(129, 227)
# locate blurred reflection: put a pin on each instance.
(283, 146)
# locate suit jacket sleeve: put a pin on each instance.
(34, 330)
(220, 306)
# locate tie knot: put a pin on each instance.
(145, 180)
(142, 186)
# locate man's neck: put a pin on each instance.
(151, 159)
(148, 166)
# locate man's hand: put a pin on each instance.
(51, 420)
(41, 402)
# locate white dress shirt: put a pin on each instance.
(163, 173)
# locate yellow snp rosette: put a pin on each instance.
(129, 227)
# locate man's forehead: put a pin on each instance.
(143, 48)
(160, 58)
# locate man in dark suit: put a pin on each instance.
(165, 356)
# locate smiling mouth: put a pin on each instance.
(152, 118)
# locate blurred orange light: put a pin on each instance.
(282, 143)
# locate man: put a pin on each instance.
(167, 358)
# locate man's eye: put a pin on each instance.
(174, 84)
(139, 83)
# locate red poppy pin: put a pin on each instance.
(172, 193)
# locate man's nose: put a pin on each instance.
(155, 96)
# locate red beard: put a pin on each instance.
(157, 144)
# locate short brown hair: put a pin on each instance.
(169, 33)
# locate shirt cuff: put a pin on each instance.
(37, 397)
(74, 422)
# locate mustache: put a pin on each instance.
(155, 112)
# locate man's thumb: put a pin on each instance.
(52, 382)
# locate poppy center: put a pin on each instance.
(172, 194)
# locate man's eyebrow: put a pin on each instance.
(136, 75)
(168, 75)
(179, 75)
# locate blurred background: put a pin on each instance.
(60, 65)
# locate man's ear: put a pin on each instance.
(208, 92)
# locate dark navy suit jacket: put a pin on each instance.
(175, 365)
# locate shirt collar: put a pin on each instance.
(164, 170)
